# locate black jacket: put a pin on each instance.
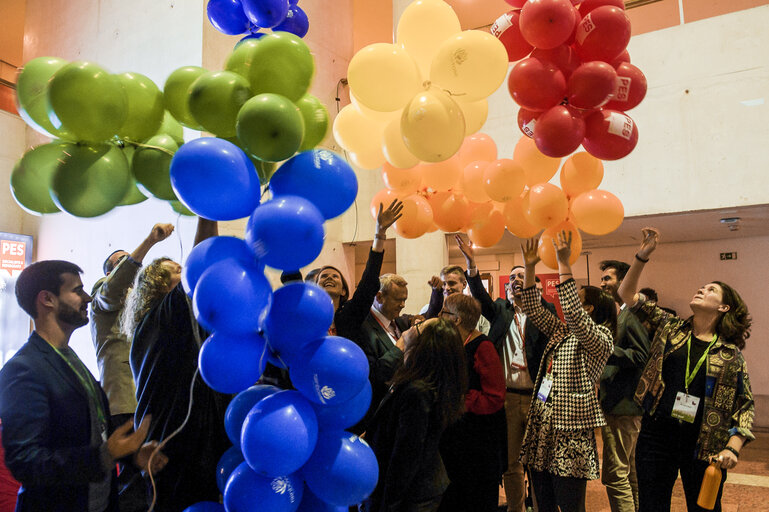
(625, 366)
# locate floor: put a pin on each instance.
(746, 489)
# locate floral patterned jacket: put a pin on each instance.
(728, 404)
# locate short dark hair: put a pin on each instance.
(41, 276)
(310, 277)
(620, 267)
(467, 308)
(107, 266)
(604, 308)
(453, 269)
(650, 294)
(517, 266)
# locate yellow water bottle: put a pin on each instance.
(711, 481)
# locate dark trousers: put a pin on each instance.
(131, 486)
(555, 493)
(471, 496)
(665, 447)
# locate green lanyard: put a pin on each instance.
(690, 375)
(87, 384)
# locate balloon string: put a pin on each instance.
(343, 81)
(150, 146)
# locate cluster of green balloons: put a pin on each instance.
(117, 134)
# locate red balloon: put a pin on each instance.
(610, 134)
(516, 3)
(558, 132)
(536, 84)
(508, 31)
(577, 20)
(547, 23)
(588, 5)
(527, 120)
(631, 88)
(623, 57)
(602, 34)
(591, 85)
(564, 58)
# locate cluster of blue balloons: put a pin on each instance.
(235, 17)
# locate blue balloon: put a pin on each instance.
(253, 35)
(296, 22)
(231, 459)
(205, 506)
(279, 434)
(320, 176)
(230, 296)
(283, 328)
(346, 414)
(293, 2)
(227, 16)
(215, 179)
(247, 491)
(331, 372)
(239, 408)
(286, 233)
(231, 363)
(265, 13)
(343, 469)
(210, 251)
(311, 503)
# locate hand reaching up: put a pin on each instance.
(530, 253)
(562, 245)
(387, 217)
(650, 239)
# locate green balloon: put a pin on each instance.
(145, 107)
(241, 57)
(151, 164)
(134, 195)
(265, 170)
(31, 177)
(179, 207)
(215, 100)
(32, 94)
(172, 127)
(175, 94)
(270, 127)
(87, 101)
(91, 180)
(315, 118)
(281, 63)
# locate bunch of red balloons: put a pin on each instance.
(573, 79)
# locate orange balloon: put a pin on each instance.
(402, 181)
(581, 172)
(450, 211)
(472, 182)
(385, 197)
(477, 146)
(416, 219)
(538, 167)
(598, 212)
(503, 180)
(548, 205)
(516, 221)
(441, 176)
(486, 227)
(546, 250)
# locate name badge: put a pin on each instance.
(685, 407)
(544, 389)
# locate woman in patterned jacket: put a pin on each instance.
(559, 446)
(695, 389)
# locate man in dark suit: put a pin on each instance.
(520, 346)
(56, 433)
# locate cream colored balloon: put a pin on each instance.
(383, 77)
(433, 126)
(394, 149)
(367, 161)
(472, 64)
(475, 113)
(359, 134)
(423, 26)
(381, 117)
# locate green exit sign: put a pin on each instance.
(728, 255)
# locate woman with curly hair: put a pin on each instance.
(426, 396)
(164, 359)
(695, 389)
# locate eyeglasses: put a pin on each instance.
(443, 312)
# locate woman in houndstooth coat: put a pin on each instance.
(559, 446)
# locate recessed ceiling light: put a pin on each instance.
(753, 103)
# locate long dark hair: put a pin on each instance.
(734, 325)
(604, 309)
(437, 358)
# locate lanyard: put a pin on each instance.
(520, 331)
(689, 377)
(393, 335)
(88, 385)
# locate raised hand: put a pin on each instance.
(529, 252)
(160, 232)
(387, 217)
(650, 239)
(466, 249)
(562, 245)
(435, 283)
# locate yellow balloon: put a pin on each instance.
(357, 133)
(367, 161)
(381, 117)
(472, 64)
(475, 113)
(539, 168)
(394, 149)
(433, 126)
(423, 26)
(383, 77)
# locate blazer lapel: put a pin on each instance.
(59, 365)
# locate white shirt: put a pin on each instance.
(514, 354)
(385, 323)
